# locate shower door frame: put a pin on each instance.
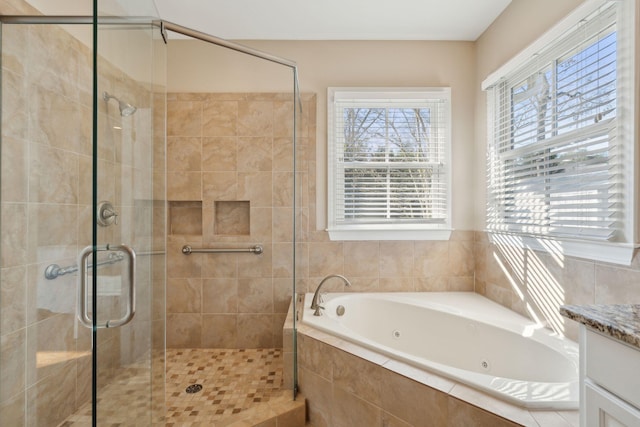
(198, 35)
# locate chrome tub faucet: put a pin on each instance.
(317, 297)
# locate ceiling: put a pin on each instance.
(335, 19)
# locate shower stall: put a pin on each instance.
(84, 215)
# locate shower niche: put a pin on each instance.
(185, 218)
(230, 218)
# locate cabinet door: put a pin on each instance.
(606, 410)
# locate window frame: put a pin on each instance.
(389, 230)
(621, 250)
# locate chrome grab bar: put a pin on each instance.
(83, 313)
(54, 270)
(188, 250)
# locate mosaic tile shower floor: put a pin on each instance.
(235, 384)
(232, 381)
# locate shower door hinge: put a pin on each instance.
(163, 31)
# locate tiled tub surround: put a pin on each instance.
(537, 283)
(349, 385)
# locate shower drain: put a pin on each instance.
(194, 388)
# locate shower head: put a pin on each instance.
(126, 109)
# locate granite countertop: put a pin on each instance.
(619, 321)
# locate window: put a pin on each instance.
(388, 166)
(559, 162)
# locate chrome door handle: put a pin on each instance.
(83, 313)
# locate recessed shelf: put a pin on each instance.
(185, 217)
(232, 218)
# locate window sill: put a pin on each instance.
(615, 253)
(387, 234)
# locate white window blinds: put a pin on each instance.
(388, 158)
(555, 159)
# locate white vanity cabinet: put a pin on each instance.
(610, 381)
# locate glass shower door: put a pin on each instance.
(126, 292)
(82, 173)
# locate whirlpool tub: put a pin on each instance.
(462, 336)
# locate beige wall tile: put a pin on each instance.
(220, 266)
(282, 224)
(462, 414)
(283, 155)
(416, 403)
(431, 284)
(219, 154)
(184, 295)
(430, 258)
(15, 113)
(461, 258)
(283, 189)
(396, 259)
(184, 118)
(15, 166)
(318, 392)
(282, 118)
(220, 186)
(251, 265)
(389, 420)
(12, 359)
(53, 396)
(180, 265)
(255, 295)
(350, 411)
(315, 356)
(185, 185)
(361, 259)
(255, 154)
(255, 118)
(325, 258)
(12, 411)
(220, 118)
(184, 154)
(255, 331)
(13, 244)
(255, 187)
(220, 296)
(461, 284)
(283, 260)
(616, 285)
(261, 228)
(49, 184)
(184, 330)
(357, 376)
(399, 284)
(220, 331)
(293, 418)
(13, 299)
(49, 236)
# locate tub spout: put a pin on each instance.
(317, 297)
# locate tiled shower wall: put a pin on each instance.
(230, 184)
